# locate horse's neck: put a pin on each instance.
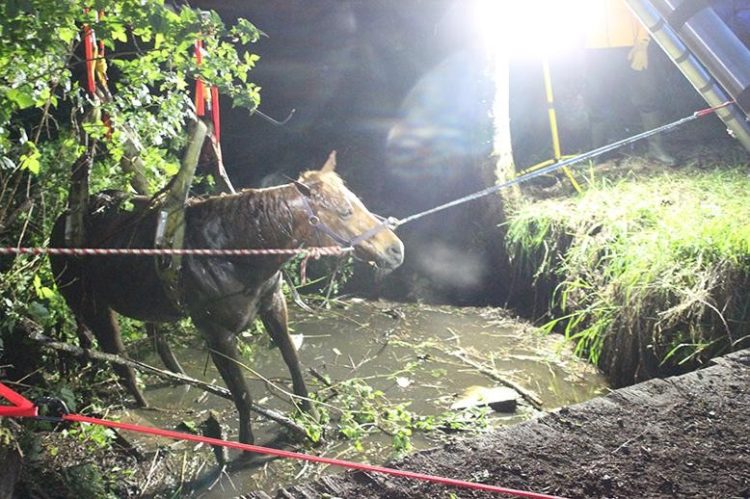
(260, 218)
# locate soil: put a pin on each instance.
(687, 436)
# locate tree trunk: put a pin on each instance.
(502, 149)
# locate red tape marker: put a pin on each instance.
(215, 112)
(88, 48)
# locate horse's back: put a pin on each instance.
(127, 283)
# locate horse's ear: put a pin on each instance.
(304, 189)
(330, 163)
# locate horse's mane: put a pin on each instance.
(308, 177)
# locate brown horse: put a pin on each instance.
(221, 295)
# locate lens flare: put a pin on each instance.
(533, 28)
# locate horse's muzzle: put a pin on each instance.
(392, 257)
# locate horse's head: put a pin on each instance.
(339, 217)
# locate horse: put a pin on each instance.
(220, 294)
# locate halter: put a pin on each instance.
(315, 221)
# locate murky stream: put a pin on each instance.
(404, 350)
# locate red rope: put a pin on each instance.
(215, 112)
(176, 435)
(21, 407)
(312, 252)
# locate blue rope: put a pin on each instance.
(556, 166)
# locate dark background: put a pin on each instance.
(400, 89)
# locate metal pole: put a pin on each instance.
(692, 68)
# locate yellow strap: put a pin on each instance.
(100, 67)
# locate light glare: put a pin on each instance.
(533, 28)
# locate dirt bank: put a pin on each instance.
(687, 436)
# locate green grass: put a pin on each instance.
(650, 274)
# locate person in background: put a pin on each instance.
(618, 60)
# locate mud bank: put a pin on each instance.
(687, 436)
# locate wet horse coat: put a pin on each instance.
(221, 295)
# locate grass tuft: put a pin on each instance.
(650, 275)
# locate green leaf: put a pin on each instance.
(246, 31)
(66, 33)
(42, 292)
(119, 34)
(21, 97)
(38, 312)
(171, 169)
(30, 160)
(251, 59)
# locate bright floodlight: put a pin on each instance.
(532, 28)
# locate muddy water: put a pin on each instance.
(404, 350)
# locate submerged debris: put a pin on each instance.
(498, 398)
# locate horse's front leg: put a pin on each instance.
(223, 347)
(273, 313)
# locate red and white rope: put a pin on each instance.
(312, 252)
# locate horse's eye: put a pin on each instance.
(346, 212)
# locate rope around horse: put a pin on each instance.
(311, 252)
(390, 223)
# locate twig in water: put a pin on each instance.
(222, 472)
(182, 469)
(302, 471)
(320, 377)
(151, 470)
(454, 335)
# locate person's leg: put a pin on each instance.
(598, 95)
(646, 96)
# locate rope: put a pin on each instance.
(22, 407)
(312, 252)
(390, 223)
(176, 435)
(562, 164)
